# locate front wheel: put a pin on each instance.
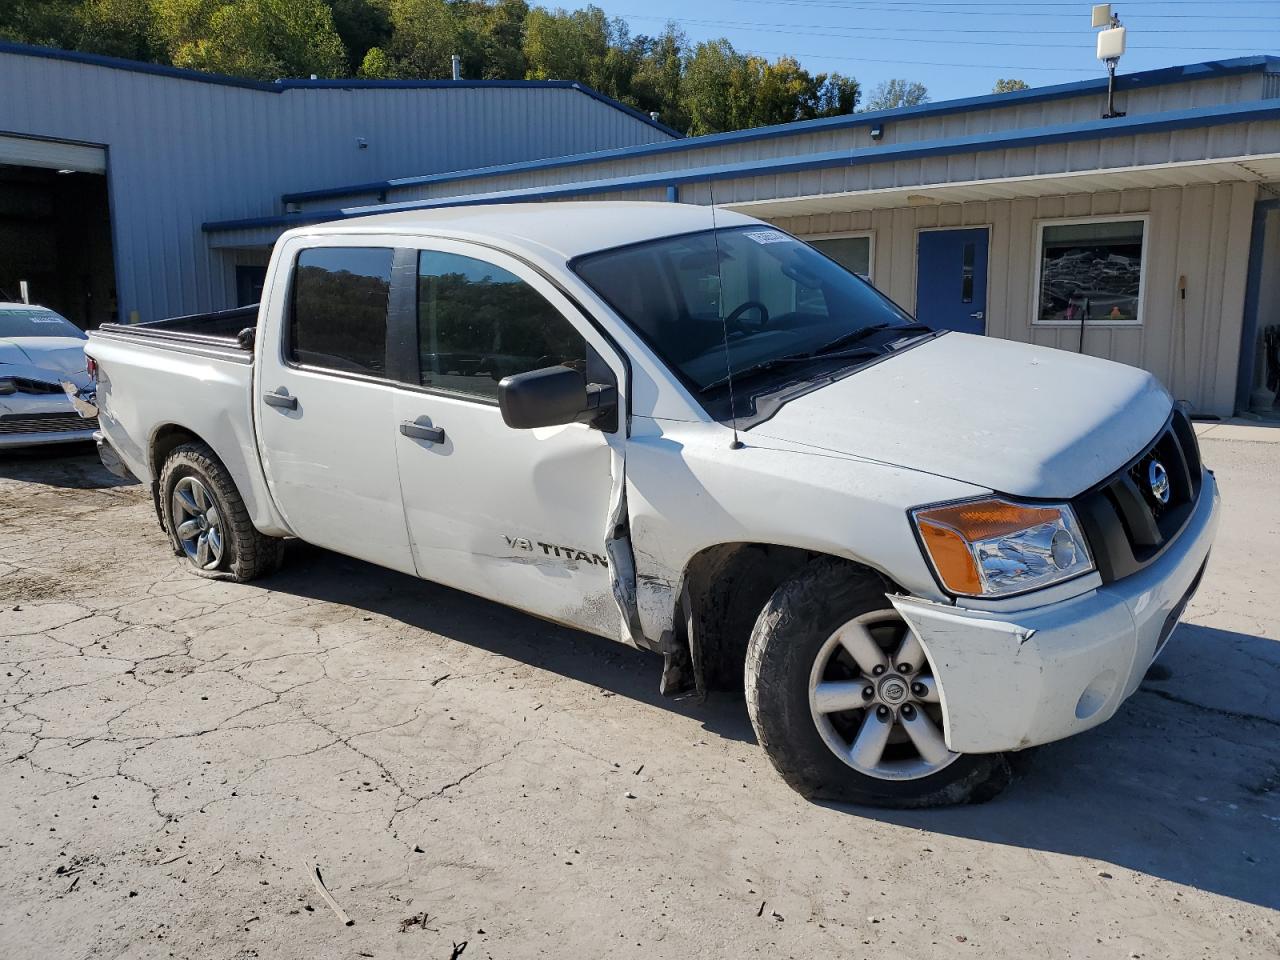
(207, 520)
(842, 698)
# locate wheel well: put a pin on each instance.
(726, 587)
(163, 442)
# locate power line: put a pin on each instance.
(861, 33)
(1084, 31)
(1021, 12)
(1006, 67)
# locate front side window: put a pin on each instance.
(750, 299)
(1090, 272)
(339, 315)
(478, 323)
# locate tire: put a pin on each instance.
(194, 476)
(799, 665)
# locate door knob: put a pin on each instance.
(977, 315)
(420, 431)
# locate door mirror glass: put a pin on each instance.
(552, 396)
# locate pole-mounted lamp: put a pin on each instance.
(1110, 49)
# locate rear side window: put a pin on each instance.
(339, 315)
(478, 323)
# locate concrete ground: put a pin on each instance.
(176, 755)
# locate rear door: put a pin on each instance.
(518, 516)
(951, 279)
(326, 407)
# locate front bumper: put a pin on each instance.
(31, 419)
(1014, 680)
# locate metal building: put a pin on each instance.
(108, 168)
(1152, 238)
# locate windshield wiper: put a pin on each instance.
(780, 361)
(857, 336)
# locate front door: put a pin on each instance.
(518, 516)
(326, 408)
(951, 279)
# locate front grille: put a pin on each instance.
(1127, 524)
(45, 423)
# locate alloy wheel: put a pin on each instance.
(198, 523)
(875, 701)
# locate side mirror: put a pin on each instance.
(552, 396)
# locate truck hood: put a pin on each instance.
(1019, 419)
(55, 357)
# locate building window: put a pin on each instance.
(851, 252)
(1091, 272)
(478, 323)
(339, 316)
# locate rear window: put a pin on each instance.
(339, 315)
(33, 322)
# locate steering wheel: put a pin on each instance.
(734, 319)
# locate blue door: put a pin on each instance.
(951, 281)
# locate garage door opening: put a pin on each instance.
(55, 234)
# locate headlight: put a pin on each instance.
(7, 386)
(993, 548)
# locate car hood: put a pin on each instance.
(1019, 419)
(44, 358)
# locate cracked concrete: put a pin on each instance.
(175, 754)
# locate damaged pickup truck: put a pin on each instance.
(691, 432)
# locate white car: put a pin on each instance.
(689, 431)
(39, 351)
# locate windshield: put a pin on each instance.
(782, 302)
(37, 322)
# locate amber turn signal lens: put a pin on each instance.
(951, 558)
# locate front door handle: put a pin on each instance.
(419, 431)
(281, 400)
(977, 315)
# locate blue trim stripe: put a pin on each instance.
(1133, 81)
(979, 143)
(280, 86)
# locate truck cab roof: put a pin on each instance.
(567, 229)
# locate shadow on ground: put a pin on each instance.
(617, 669)
(64, 465)
(1168, 787)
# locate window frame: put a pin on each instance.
(1038, 270)
(285, 340)
(870, 236)
(404, 320)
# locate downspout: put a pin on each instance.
(1252, 294)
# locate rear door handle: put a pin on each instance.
(419, 431)
(281, 400)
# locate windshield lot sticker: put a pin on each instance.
(769, 236)
(569, 554)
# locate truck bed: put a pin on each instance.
(223, 328)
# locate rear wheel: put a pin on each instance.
(843, 699)
(207, 520)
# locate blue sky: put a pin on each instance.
(958, 48)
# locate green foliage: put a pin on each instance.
(1008, 85)
(891, 94)
(705, 88)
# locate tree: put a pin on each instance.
(1008, 86)
(361, 25)
(262, 39)
(892, 94)
(655, 85)
(837, 95)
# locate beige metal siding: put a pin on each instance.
(1200, 232)
(993, 119)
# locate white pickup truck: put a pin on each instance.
(691, 432)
